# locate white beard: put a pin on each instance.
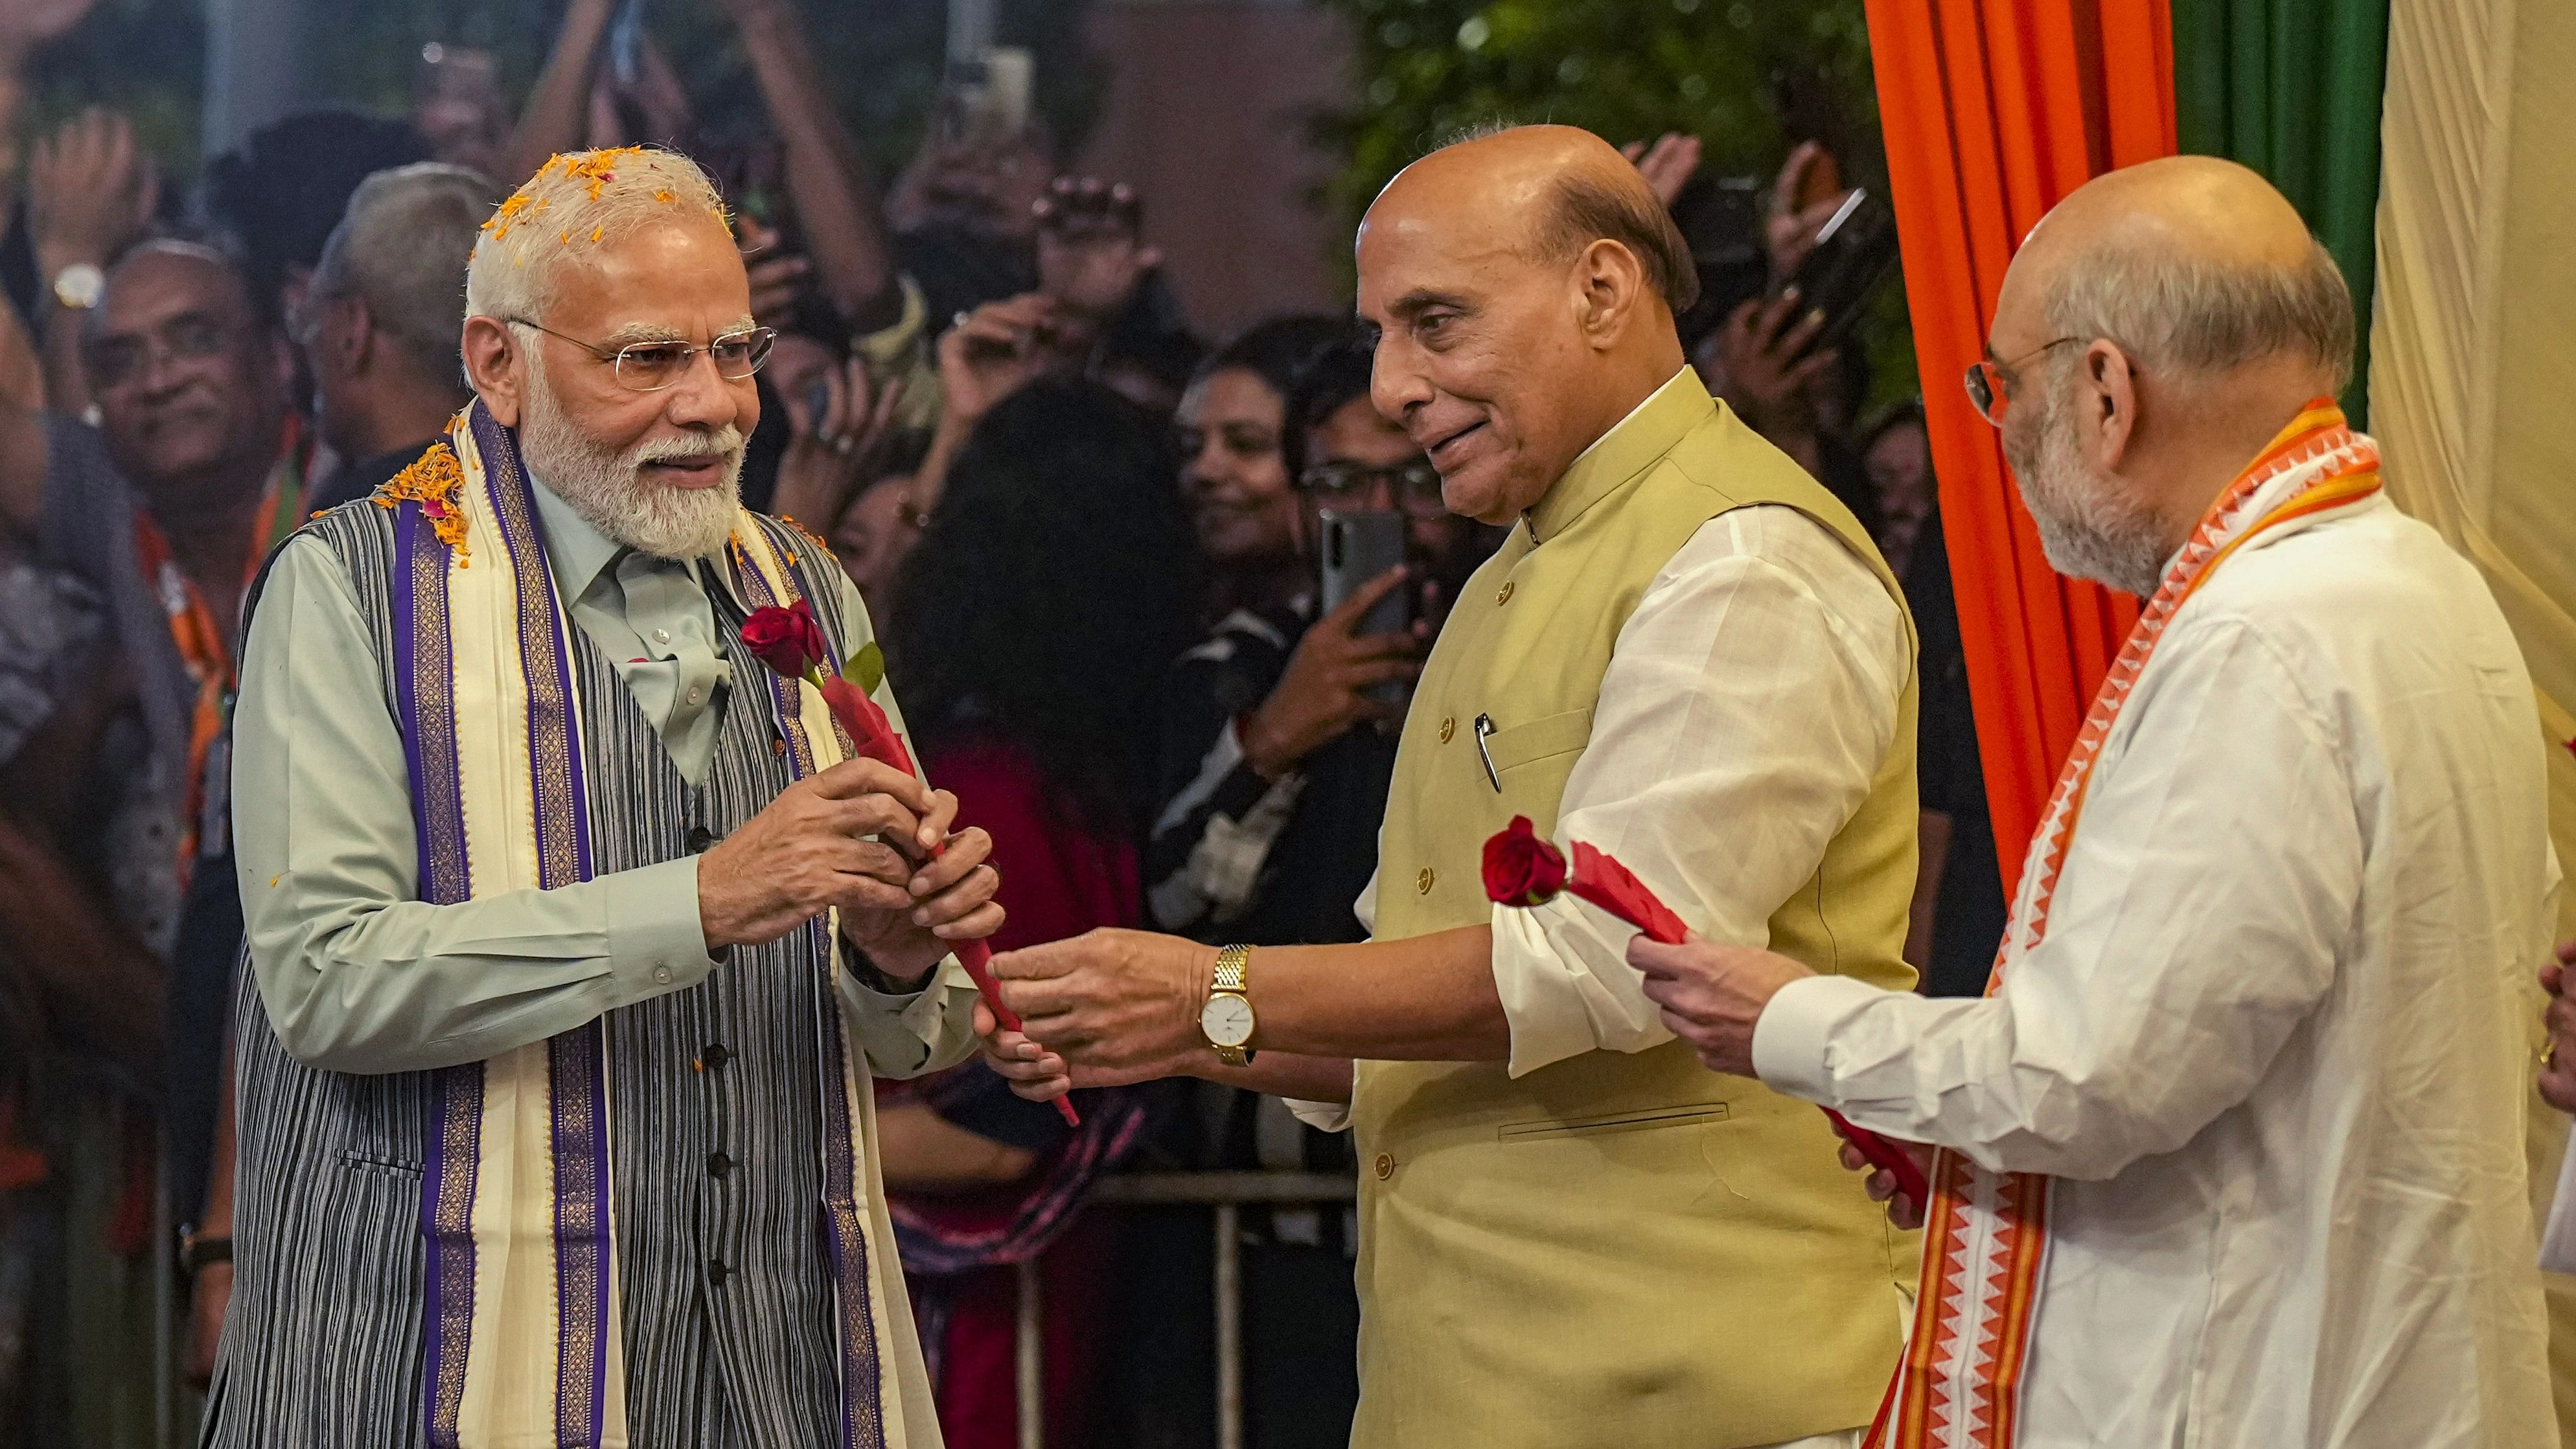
(608, 489)
(2088, 525)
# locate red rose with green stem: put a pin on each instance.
(791, 643)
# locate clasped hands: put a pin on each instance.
(810, 851)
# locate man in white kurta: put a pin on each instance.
(2261, 1023)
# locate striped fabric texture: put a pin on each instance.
(723, 1265)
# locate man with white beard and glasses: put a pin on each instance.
(576, 939)
(2231, 1154)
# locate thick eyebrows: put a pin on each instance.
(634, 332)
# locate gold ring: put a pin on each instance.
(2549, 1053)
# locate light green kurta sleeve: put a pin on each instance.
(357, 973)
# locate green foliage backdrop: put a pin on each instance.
(143, 57)
(1622, 68)
(1750, 78)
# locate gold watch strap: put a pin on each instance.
(1230, 964)
(1233, 977)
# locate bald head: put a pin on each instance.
(2195, 265)
(2157, 328)
(1547, 192)
(1523, 283)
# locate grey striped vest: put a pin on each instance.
(725, 1287)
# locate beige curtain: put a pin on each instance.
(2473, 370)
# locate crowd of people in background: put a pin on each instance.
(981, 378)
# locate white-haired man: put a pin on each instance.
(554, 1107)
(2233, 1153)
(378, 323)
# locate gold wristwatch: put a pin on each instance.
(1227, 1018)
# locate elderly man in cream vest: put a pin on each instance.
(1688, 654)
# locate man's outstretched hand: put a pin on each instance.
(1102, 1009)
(1711, 995)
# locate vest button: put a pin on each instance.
(699, 840)
(1385, 1167)
(1448, 728)
(1504, 597)
(1422, 882)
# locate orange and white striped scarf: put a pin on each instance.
(1985, 1239)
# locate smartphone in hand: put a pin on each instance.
(1360, 545)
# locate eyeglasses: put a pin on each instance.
(1415, 486)
(653, 366)
(190, 337)
(1988, 380)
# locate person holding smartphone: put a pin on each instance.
(1277, 744)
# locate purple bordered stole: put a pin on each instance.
(521, 1336)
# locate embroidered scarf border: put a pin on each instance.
(855, 1323)
(496, 498)
(1986, 1244)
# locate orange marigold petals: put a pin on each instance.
(810, 535)
(433, 481)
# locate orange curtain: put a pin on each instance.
(1993, 110)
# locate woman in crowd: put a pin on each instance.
(1234, 473)
(1031, 624)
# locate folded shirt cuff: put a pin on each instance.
(901, 1030)
(1790, 1038)
(1562, 974)
(657, 943)
(1322, 1116)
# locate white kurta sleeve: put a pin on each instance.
(1748, 704)
(2196, 923)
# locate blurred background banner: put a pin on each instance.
(2292, 88)
(1992, 112)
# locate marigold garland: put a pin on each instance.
(433, 482)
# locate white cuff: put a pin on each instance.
(1790, 1043)
(1562, 973)
(1322, 1116)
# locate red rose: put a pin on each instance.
(787, 640)
(1520, 868)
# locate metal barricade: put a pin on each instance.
(1226, 1194)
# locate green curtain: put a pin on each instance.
(2292, 88)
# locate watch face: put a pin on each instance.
(1227, 1020)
